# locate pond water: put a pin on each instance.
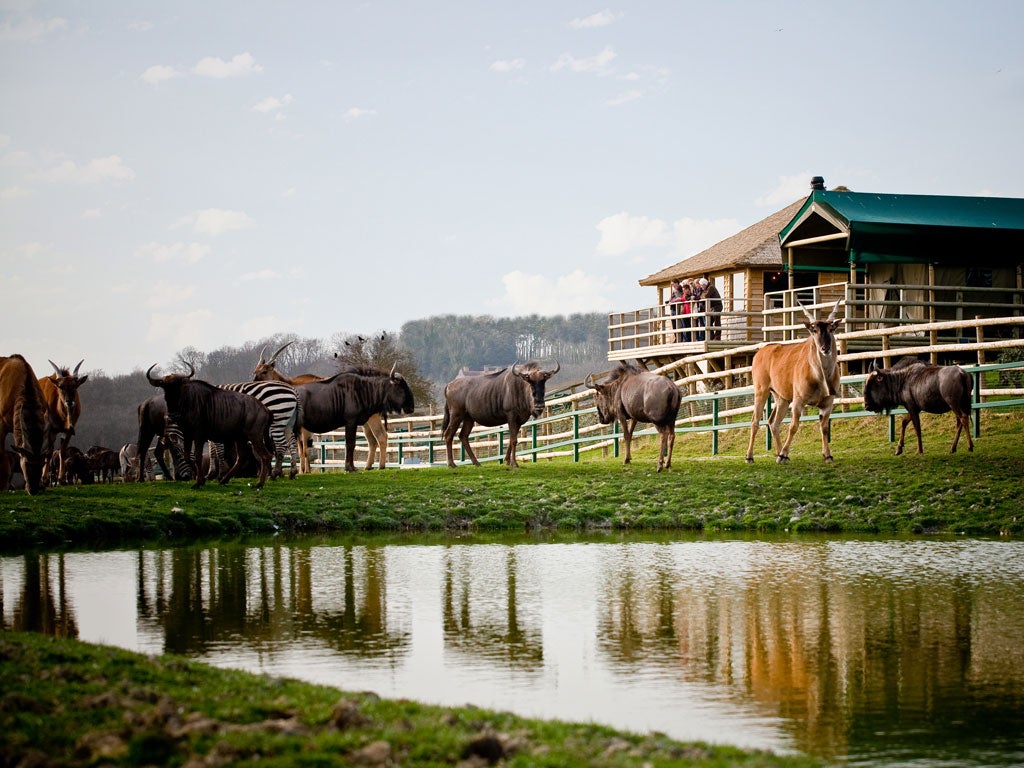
(866, 651)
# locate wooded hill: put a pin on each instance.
(429, 353)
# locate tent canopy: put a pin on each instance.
(860, 227)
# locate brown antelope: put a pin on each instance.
(22, 414)
(375, 431)
(63, 407)
(797, 375)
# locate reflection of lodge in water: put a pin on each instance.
(840, 662)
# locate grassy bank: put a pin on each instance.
(866, 489)
(70, 703)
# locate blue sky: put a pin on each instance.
(205, 174)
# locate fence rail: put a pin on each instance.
(570, 427)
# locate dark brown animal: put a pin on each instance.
(169, 439)
(508, 396)
(63, 408)
(797, 375)
(920, 387)
(374, 429)
(23, 415)
(633, 394)
(206, 412)
(104, 463)
(349, 399)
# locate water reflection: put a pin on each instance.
(873, 652)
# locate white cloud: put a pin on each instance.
(92, 213)
(508, 65)
(692, 236)
(599, 19)
(357, 113)
(141, 25)
(262, 274)
(624, 98)
(217, 221)
(184, 329)
(261, 327)
(27, 29)
(189, 253)
(159, 73)
(598, 64)
(577, 291)
(272, 103)
(622, 233)
(168, 295)
(97, 170)
(14, 193)
(239, 66)
(788, 190)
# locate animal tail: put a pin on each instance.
(447, 418)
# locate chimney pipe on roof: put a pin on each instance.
(818, 182)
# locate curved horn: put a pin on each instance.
(832, 314)
(56, 367)
(191, 371)
(78, 366)
(515, 365)
(809, 316)
(589, 382)
(558, 367)
(261, 360)
(154, 382)
(273, 360)
(393, 369)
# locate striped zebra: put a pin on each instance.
(173, 442)
(281, 401)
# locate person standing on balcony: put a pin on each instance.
(713, 306)
(675, 303)
(685, 308)
(697, 309)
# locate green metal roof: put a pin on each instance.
(875, 227)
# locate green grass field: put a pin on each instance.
(866, 489)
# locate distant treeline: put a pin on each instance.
(429, 353)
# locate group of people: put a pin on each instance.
(696, 304)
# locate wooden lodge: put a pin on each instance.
(909, 268)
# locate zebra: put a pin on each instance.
(281, 401)
(173, 441)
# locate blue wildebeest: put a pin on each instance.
(920, 387)
(349, 399)
(63, 407)
(153, 422)
(283, 403)
(206, 412)
(22, 414)
(799, 375)
(632, 394)
(374, 429)
(508, 396)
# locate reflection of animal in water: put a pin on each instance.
(23, 415)
(508, 396)
(632, 394)
(920, 387)
(374, 430)
(799, 374)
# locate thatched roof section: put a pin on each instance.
(755, 246)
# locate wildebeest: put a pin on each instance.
(632, 394)
(349, 399)
(799, 375)
(283, 403)
(22, 414)
(63, 408)
(104, 462)
(169, 440)
(375, 430)
(206, 412)
(508, 396)
(920, 387)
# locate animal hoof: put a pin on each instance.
(750, 459)
(781, 459)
